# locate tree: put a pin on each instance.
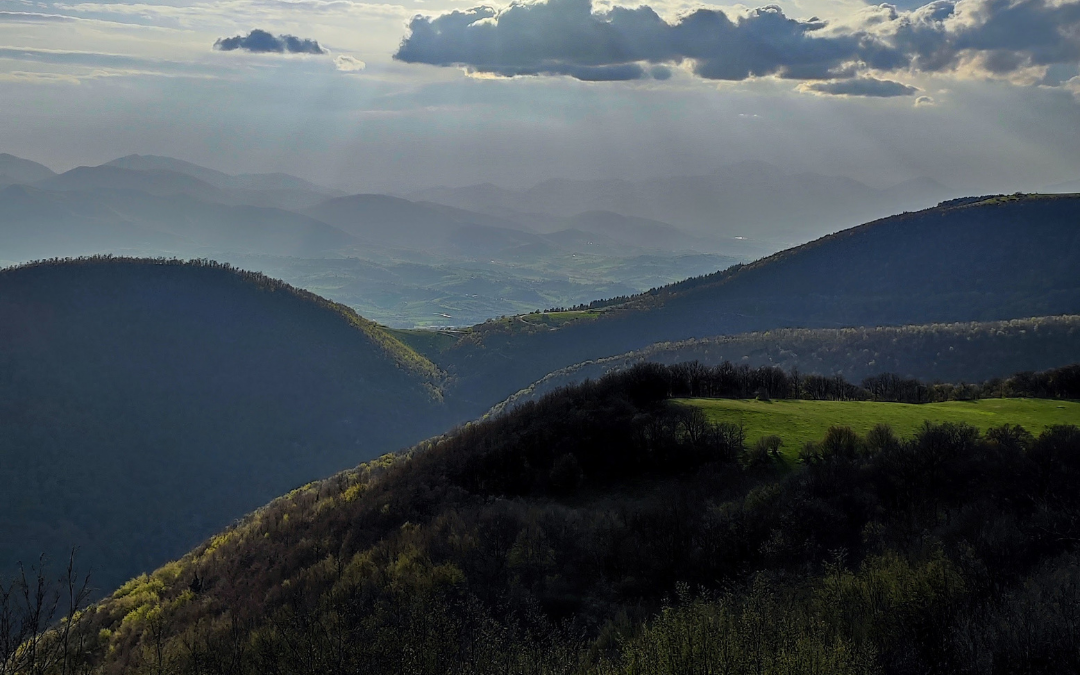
(39, 620)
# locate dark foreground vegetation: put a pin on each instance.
(146, 404)
(604, 530)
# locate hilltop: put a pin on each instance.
(17, 170)
(144, 404)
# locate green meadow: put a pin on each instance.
(798, 421)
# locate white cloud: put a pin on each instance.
(348, 64)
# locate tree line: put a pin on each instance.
(727, 380)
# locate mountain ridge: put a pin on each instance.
(220, 179)
(755, 200)
(18, 170)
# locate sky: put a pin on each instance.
(981, 95)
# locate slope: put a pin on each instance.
(603, 530)
(392, 221)
(214, 177)
(979, 260)
(956, 352)
(145, 404)
(278, 190)
(157, 182)
(225, 181)
(15, 170)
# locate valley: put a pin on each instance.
(402, 263)
(553, 489)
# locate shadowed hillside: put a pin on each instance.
(975, 260)
(145, 404)
(958, 352)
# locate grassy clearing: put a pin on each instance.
(797, 422)
(559, 318)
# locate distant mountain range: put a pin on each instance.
(755, 200)
(1066, 187)
(413, 263)
(160, 205)
(219, 179)
(441, 257)
(40, 223)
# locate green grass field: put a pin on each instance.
(797, 422)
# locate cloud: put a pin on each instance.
(1008, 39)
(67, 66)
(860, 86)
(992, 37)
(924, 101)
(97, 60)
(566, 37)
(262, 42)
(242, 12)
(24, 77)
(348, 64)
(34, 17)
(1073, 86)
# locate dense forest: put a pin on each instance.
(995, 259)
(146, 404)
(602, 529)
(955, 352)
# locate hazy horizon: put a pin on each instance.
(979, 95)
(501, 182)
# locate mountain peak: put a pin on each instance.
(20, 170)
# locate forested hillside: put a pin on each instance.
(145, 404)
(604, 529)
(953, 352)
(972, 260)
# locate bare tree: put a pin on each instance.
(39, 620)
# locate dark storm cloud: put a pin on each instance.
(566, 37)
(1004, 34)
(559, 36)
(262, 42)
(862, 86)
